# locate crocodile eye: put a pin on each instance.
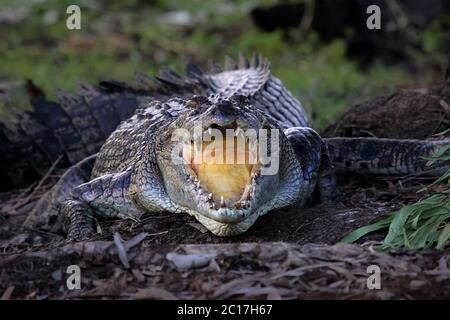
(191, 104)
(240, 99)
(196, 101)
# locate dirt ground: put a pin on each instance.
(289, 254)
(405, 114)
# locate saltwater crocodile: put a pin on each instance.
(135, 172)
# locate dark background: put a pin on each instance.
(321, 49)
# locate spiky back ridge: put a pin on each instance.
(77, 125)
(254, 80)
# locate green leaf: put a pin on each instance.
(361, 232)
(439, 153)
(420, 225)
(444, 237)
(397, 225)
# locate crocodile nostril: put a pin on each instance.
(221, 118)
(221, 126)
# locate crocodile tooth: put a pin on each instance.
(210, 131)
(222, 202)
(198, 183)
(197, 137)
(210, 196)
(195, 180)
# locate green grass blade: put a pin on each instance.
(444, 237)
(361, 232)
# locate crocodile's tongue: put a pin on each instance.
(225, 168)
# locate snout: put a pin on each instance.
(228, 215)
(224, 115)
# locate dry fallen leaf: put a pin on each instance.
(190, 261)
(153, 293)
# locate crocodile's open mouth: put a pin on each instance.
(224, 169)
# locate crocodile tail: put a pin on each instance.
(387, 156)
(75, 125)
(71, 128)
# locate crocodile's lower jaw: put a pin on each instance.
(226, 229)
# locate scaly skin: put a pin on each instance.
(134, 172)
(77, 125)
(387, 156)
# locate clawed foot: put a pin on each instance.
(78, 221)
(80, 233)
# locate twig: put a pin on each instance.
(44, 178)
(307, 19)
(157, 233)
(7, 294)
(22, 200)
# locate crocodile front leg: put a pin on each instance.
(105, 197)
(312, 153)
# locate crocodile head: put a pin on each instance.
(226, 163)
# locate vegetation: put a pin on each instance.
(120, 37)
(423, 224)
